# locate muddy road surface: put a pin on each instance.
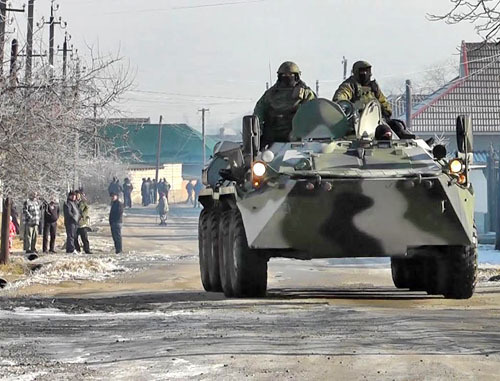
(144, 316)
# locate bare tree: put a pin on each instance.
(48, 129)
(483, 13)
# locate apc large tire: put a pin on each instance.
(462, 272)
(215, 252)
(400, 272)
(410, 272)
(246, 269)
(224, 250)
(204, 247)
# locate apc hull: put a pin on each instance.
(361, 217)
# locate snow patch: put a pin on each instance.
(42, 313)
(70, 269)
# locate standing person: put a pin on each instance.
(51, 215)
(189, 189)
(112, 187)
(83, 223)
(148, 191)
(197, 189)
(154, 189)
(167, 187)
(115, 222)
(12, 232)
(162, 208)
(31, 218)
(161, 188)
(127, 192)
(71, 218)
(143, 191)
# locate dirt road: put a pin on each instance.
(146, 318)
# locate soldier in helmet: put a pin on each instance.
(360, 89)
(277, 107)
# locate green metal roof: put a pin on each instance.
(179, 143)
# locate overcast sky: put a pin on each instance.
(190, 54)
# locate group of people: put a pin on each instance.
(193, 190)
(41, 216)
(279, 104)
(151, 190)
(126, 190)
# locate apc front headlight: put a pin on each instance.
(456, 166)
(259, 169)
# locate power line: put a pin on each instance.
(149, 10)
(189, 95)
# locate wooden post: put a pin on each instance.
(491, 191)
(4, 247)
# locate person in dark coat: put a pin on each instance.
(112, 188)
(150, 190)
(143, 191)
(71, 218)
(51, 215)
(146, 197)
(115, 222)
(127, 192)
(83, 223)
(160, 188)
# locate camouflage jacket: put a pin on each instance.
(84, 220)
(351, 90)
(277, 107)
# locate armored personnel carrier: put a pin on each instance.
(344, 186)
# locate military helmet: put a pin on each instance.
(289, 67)
(358, 65)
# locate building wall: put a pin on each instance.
(173, 174)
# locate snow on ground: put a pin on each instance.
(60, 268)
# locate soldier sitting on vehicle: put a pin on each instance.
(360, 89)
(277, 107)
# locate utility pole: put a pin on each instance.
(3, 21)
(52, 23)
(65, 50)
(203, 111)
(4, 248)
(77, 134)
(409, 104)
(158, 150)
(317, 88)
(344, 63)
(29, 41)
(13, 63)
